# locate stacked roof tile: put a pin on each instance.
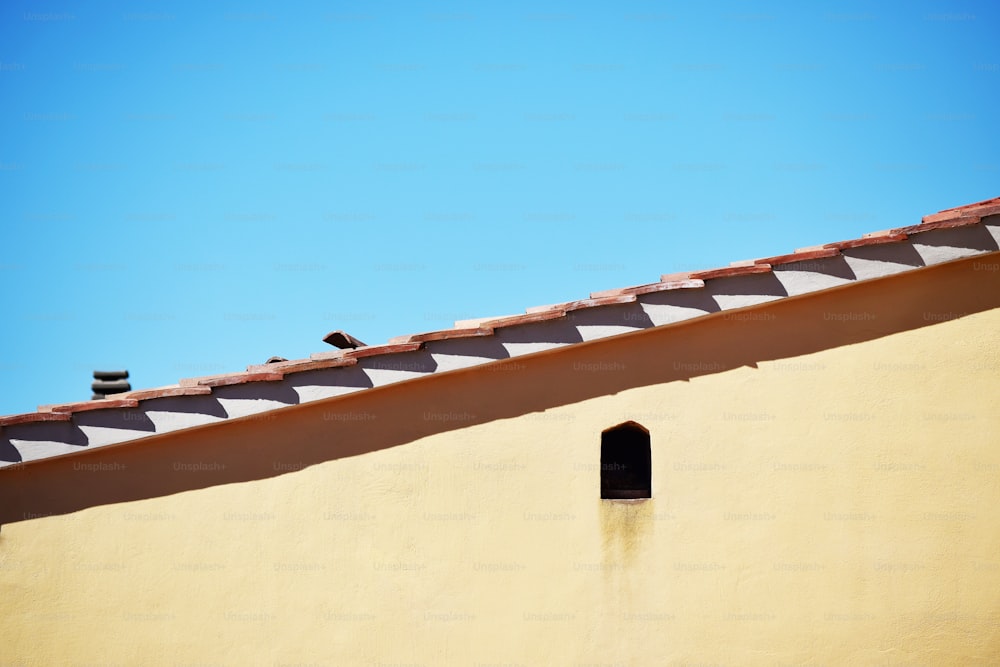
(55, 430)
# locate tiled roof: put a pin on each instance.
(55, 430)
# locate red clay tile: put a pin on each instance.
(797, 257)
(194, 382)
(988, 211)
(942, 215)
(528, 318)
(445, 334)
(342, 340)
(84, 406)
(731, 271)
(300, 365)
(458, 333)
(164, 392)
(332, 354)
(30, 417)
(612, 300)
(239, 378)
(969, 214)
(375, 350)
(871, 240)
(678, 277)
(601, 294)
(665, 285)
(531, 310)
(985, 202)
(980, 208)
(961, 221)
(606, 300)
(668, 282)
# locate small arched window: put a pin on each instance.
(626, 465)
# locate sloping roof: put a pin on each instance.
(55, 430)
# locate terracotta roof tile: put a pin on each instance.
(885, 237)
(232, 378)
(342, 340)
(165, 392)
(29, 417)
(376, 350)
(477, 322)
(618, 291)
(515, 320)
(980, 209)
(678, 277)
(668, 282)
(84, 406)
(957, 221)
(331, 354)
(883, 232)
(664, 285)
(731, 271)
(444, 334)
(962, 216)
(608, 300)
(797, 257)
(300, 365)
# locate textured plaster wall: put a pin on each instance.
(837, 507)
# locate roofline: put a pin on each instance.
(66, 429)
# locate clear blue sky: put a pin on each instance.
(188, 188)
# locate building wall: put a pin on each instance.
(832, 504)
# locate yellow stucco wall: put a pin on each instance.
(833, 508)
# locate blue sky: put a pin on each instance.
(188, 188)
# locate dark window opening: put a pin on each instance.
(626, 466)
